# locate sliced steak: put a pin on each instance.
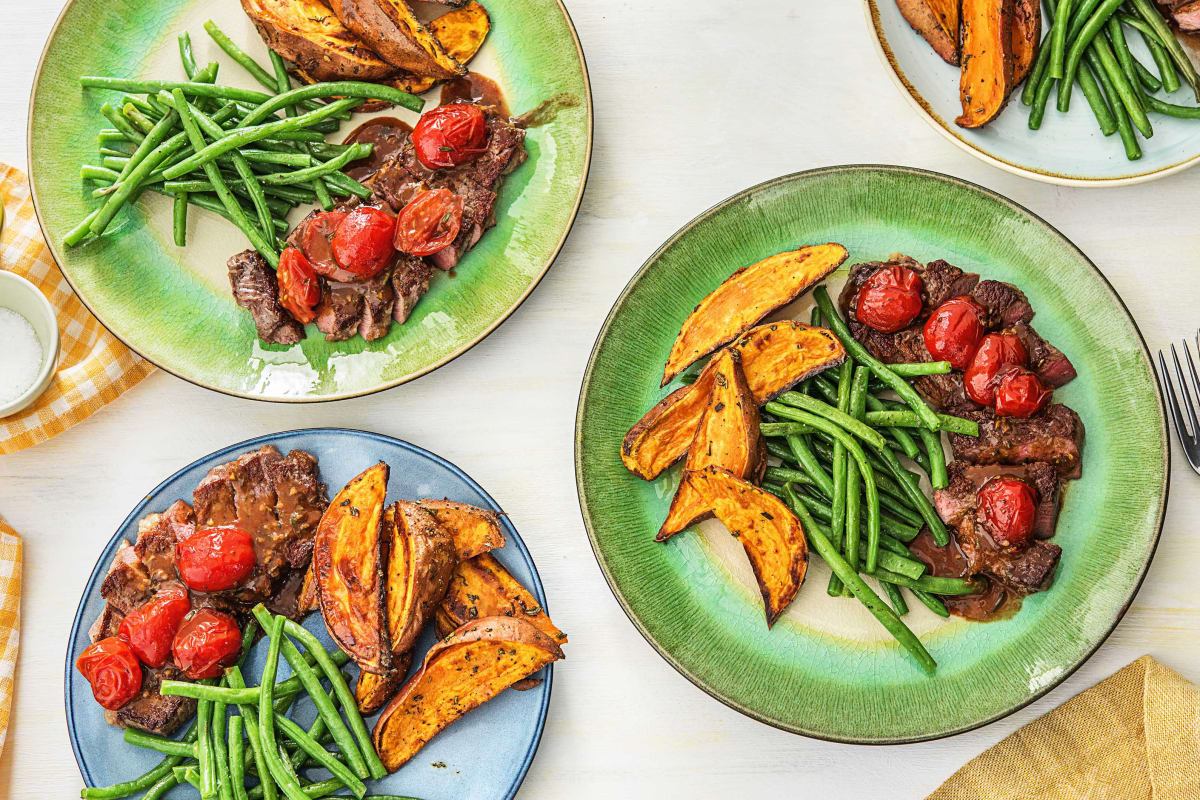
(410, 280)
(1054, 436)
(340, 311)
(299, 503)
(255, 289)
(379, 300)
(940, 281)
(1003, 304)
(1186, 15)
(1047, 361)
(1027, 568)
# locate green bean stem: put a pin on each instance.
(932, 603)
(907, 419)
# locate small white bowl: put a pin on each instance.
(21, 296)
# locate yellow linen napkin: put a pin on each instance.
(10, 619)
(1133, 736)
(93, 367)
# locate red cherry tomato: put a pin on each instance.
(299, 291)
(113, 671)
(207, 642)
(429, 223)
(1019, 393)
(995, 351)
(890, 299)
(450, 135)
(150, 628)
(363, 242)
(213, 559)
(953, 331)
(317, 241)
(1008, 506)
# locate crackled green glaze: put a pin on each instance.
(827, 669)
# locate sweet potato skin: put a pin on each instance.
(768, 530)
(390, 29)
(474, 530)
(988, 66)
(307, 34)
(349, 571)
(727, 436)
(372, 692)
(420, 562)
(1026, 37)
(774, 357)
(466, 669)
(745, 297)
(937, 22)
(482, 587)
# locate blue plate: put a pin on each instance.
(483, 756)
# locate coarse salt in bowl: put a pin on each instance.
(29, 332)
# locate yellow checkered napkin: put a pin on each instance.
(93, 368)
(10, 619)
(1134, 736)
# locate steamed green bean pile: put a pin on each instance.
(840, 443)
(226, 149)
(242, 731)
(1088, 44)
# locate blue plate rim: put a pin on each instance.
(138, 510)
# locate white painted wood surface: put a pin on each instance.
(694, 101)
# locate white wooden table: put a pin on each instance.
(694, 101)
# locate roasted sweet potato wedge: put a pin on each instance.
(460, 673)
(727, 436)
(306, 601)
(420, 561)
(474, 530)
(390, 28)
(774, 357)
(768, 530)
(371, 692)
(745, 297)
(482, 587)
(937, 22)
(1026, 37)
(347, 563)
(988, 66)
(306, 33)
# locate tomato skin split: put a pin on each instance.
(429, 223)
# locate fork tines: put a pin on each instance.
(1187, 427)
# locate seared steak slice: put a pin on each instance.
(155, 548)
(1053, 435)
(255, 289)
(1002, 303)
(212, 500)
(410, 280)
(340, 311)
(940, 281)
(1186, 14)
(1028, 568)
(379, 299)
(299, 504)
(127, 584)
(1047, 361)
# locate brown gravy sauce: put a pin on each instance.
(386, 133)
(475, 88)
(996, 602)
(546, 111)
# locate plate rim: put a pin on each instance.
(585, 385)
(98, 571)
(918, 102)
(53, 246)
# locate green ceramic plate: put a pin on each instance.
(827, 669)
(173, 305)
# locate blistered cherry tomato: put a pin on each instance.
(450, 135)
(150, 628)
(299, 291)
(207, 642)
(429, 223)
(363, 242)
(113, 671)
(1008, 506)
(1019, 393)
(953, 331)
(995, 351)
(317, 241)
(214, 559)
(890, 299)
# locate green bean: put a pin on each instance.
(307, 174)
(139, 120)
(90, 172)
(1124, 89)
(1162, 60)
(345, 185)
(907, 566)
(185, 54)
(312, 684)
(191, 88)
(266, 716)
(344, 695)
(154, 138)
(257, 237)
(1058, 40)
(1096, 100)
(855, 408)
(312, 790)
(839, 468)
(237, 763)
(179, 219)
(907, 419)
(936, 527)
(137, 102)
(804, 456)
(240, 56)
(1133, 150)
(266, 788)
(112, 151)
(895, 598)
(889, 526)
(902, 436)
(211, 203)
(1150, 14)
(121, 123)
(919, 368)
(240, 137)
(894, 625)
(1037, 73)
(204, 748)
(189, 774)
(781, 429)
(1171, 110)
(883, 481)
(780, 408)
(881, 370)
(931, 584)
(1038, 111)
(323, 756)
(1120, 48)
(160, 744)
(932, 603)
(1147, 79)
(349, 90)
(132, 183)
(165, 784)
(784, 475)
(221, 752)
(283, 83)
(938, 478)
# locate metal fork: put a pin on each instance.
(1191, 398)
